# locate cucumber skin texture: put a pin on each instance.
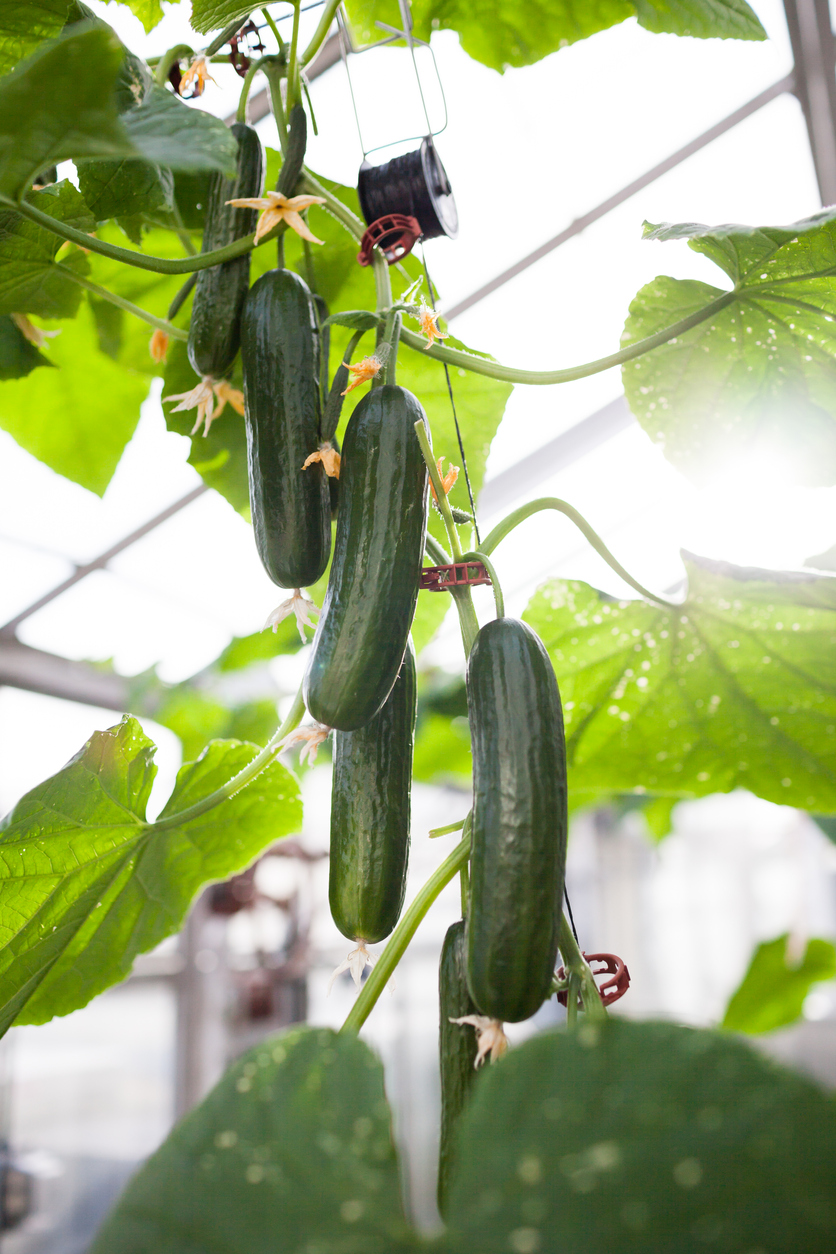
(456, 1048)
(373, 585)
(220, 291)
(370, 813)
(290, 507)
(519, 821)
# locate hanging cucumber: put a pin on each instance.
(519, 821)
(290, 507)
(456, 1047)
(373, 585)
(220, 291)
(370, 809)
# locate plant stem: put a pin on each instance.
(244, 777)
(501, 530)
(241, 115)
(438, 486)
(224, 37)
(468, 622)
(310, 184)
(493, 370)
(391, 335)
(477, 555)
(580, 975)
(181, 297)
(321, 32)
(268, 17)
(382, 282)
(161, 324)
(402, 935)
(274, 71)
(435, 550)
(142, 261)
(446, 831)
(168, 59)
(293, 68)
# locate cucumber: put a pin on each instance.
(291, 507)
(519, 821)
(219, 293)
(456, 1046)
(373, 585)
(370, 805)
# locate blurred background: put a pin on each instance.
(85, 1098)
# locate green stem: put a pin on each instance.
(274, 70)
(446, 831)
(168, 59)
(321, 32)
(382, 282)
(579, 972)
(160, 323)
(293, 93)
(142, 261)
(477, 555)
(181, 297)
(513, 520)
(282, 46)
(241, 115)
(468, 622)
(391, 335)
(355, 227)
(224, 37)
(493, 370)
(435, 550)
(244, 777)
(441, 495)
(402, 935)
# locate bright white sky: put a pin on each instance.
(526, 153)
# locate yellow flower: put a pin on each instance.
(203, 396)
(158, 346)
(366, 369)
(490, 1036)
(329, 457)
(35, 335)
(447, 480)
(276, 207)
(197, 73)
(429, 325)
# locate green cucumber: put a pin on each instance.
(457, 1045)
(519, 821)
(290, 507)
(370, 808)
(219, 293)
(373, 585)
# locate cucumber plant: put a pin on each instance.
(603, 1135)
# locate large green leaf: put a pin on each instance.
(736, 688)
(217, 14)
(126, 190)
(18, 358)
(76, 419)
(774, 988)
(26, 23)
(170, 133)
(30, 279)
(86, 883)
(757, 380)
(500, 33)
(60, 103)
(635, 1138)
(149, 12)
(291, 1152)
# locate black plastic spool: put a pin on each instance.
(414, 184)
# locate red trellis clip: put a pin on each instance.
(443, 578)
(611, 989)
(395, 234)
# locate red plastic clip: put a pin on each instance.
(395, 234)
(611, 989)
(443, 578)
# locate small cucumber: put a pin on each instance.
(291, 507)
(373, 585)
(370, 810)
(219, 292)
(519, 821)
(456, 1046)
